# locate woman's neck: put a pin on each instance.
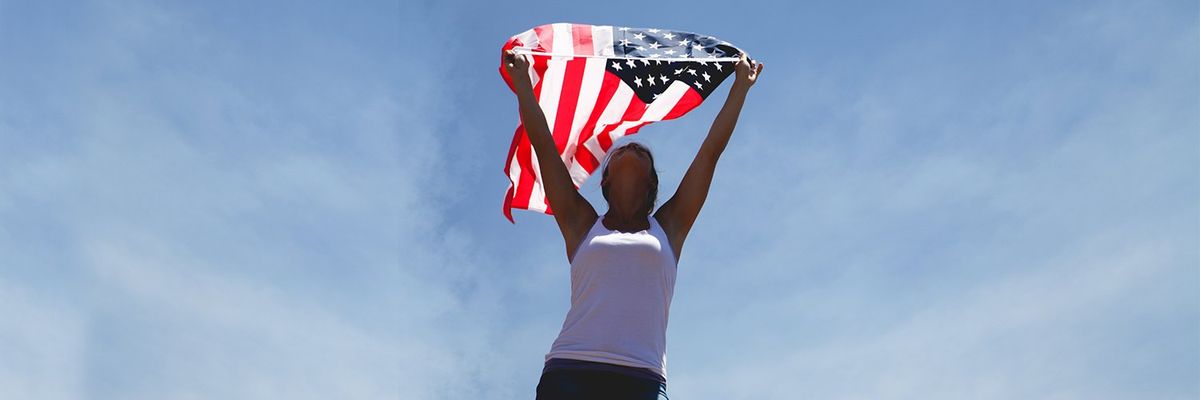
(625, 222)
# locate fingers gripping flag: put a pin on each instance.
(596, 84)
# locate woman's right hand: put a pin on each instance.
(517, 66)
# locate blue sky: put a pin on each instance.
(935, 200)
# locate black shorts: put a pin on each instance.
(583, 380)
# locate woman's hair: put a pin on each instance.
(652, 194)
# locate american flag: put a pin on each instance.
(596, 84)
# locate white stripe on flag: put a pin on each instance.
(612, 114)
(602, 41)
(578, 174)
(514, 172)
(564, 40)
(665, 102)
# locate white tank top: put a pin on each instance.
(621, 289)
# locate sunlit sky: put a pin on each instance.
(935, 200)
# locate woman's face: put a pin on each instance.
(628, 180)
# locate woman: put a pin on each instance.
(613, 342)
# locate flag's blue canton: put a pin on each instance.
(657, 43)
(641, 64)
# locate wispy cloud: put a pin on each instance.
(199, 208)
(1029, 232)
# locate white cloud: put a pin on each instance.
(41, 338)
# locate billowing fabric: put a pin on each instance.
(596, 84)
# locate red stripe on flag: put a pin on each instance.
(690, 100)
(504, 72)
(632, 113)
(525, 182)
(545, 36)
(583, 39)
(508, 197)
(567, 101)
(582, 154)
(525, 161)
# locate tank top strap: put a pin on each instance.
(657, 230)
(597, 228)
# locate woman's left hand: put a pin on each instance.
(747, 71)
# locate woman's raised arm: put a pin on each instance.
(679, 213)
(572, 211)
